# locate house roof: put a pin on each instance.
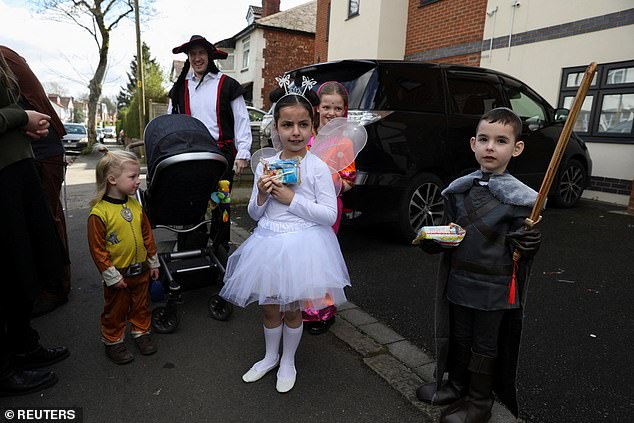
(299, 18)
(56, 99)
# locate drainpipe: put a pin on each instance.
(492, 12)
(515, 5)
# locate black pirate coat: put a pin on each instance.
(228, 90)
(509, 203)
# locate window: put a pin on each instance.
(410, 88)
(616, 114)
(246, 43)
(353, 8)
(227, 64)
(526, 105)
(474, 96)
(583, 119)
(607, 112)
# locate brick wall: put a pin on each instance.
(465, 59)
(444, 24)
(611, 185)
(284, 51)
(321, 31)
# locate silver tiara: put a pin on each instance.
(291, 88)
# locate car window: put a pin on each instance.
(355, 76)
(75, 129)
(473, 96)
(415, 88)
(255, 115)
(529, 109)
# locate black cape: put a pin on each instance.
(507, 190)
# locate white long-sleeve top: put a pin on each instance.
(202, 103)
(314, 203)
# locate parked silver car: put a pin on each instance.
(76, 137)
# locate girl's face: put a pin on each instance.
(330, 107)
(126, 183)
(294, 127)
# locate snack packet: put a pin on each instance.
(447, 236)
(286, 171)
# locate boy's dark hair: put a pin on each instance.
(505, 116)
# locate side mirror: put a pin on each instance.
(561, 115)
(534, 123)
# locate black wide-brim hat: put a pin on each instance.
(200, 40)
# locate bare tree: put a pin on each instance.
(54, 87)
(98, 17)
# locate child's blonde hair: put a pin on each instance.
(110, 164)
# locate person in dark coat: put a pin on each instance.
(48, 152)
(30, 246)
(481, 290)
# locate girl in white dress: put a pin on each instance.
(293, 260)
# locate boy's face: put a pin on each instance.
(494, 145)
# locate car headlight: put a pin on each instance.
(365, 117)
(84, 140)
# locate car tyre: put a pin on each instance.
(570, 183)
(422, 205)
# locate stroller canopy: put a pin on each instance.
(168, 135)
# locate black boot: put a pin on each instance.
(456, 386)
(476, 406)
(20, 382)
(40, 357)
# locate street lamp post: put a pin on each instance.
(139, 70)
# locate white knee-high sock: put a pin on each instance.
(290, 342)
(272, 339)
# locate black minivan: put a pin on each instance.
(419, 118)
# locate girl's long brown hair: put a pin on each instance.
(8, 79)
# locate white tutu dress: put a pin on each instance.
(293, 258)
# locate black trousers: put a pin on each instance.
(221, 231)
(30, 252)
(476, 329)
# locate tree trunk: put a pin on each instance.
(95, 84)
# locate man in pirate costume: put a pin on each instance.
(481, 290)
(202, 91)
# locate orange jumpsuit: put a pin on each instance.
(130, 304)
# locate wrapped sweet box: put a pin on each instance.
(447, 236)
(286, 171)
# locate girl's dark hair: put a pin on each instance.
(278, 96)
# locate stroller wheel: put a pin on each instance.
(219, 308)
(164, 321)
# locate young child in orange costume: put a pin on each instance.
(122, 246)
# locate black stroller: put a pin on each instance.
(184, 165)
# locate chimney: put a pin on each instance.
(270, 7)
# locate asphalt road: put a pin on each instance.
(195, 377)
(579, 324)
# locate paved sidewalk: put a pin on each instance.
(337, 381)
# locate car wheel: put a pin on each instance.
(422, 205)
(570, 183)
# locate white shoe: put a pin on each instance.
(286, 384)
(254, 374)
